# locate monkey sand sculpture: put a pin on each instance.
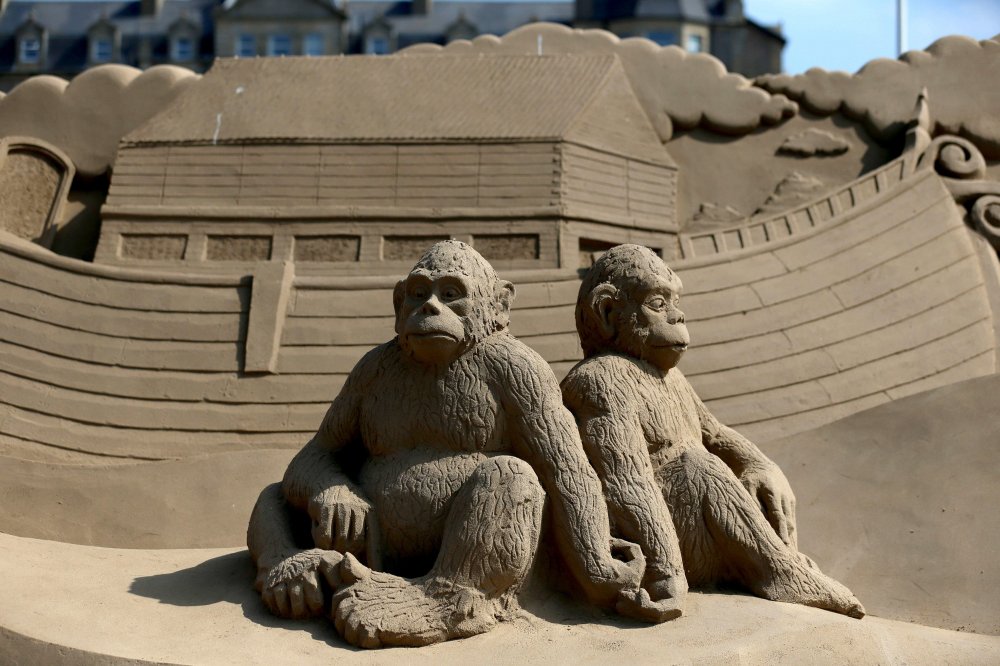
(434, 462)
(704, 504)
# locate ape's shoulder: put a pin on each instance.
(516, 368)
(602, 378)
(507, 350)
(370, 366)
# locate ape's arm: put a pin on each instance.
(542, 431)
(315, 481)
(762, 478)
(614, 442)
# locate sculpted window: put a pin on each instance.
(279, 45)
(30, 50)
(246, 46)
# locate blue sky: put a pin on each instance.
(845, 34)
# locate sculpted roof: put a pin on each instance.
(410, 99)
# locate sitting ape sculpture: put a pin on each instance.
(704, 504)
(426, 465)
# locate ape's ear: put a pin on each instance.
(398, 292)
(602, 309)
(504, 300)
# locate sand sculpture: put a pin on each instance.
(452, 430)
(219, 267)
(652, 439)
(34, 180)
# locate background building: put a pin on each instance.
(64, 38)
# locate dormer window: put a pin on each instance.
(182, 49)
(378, 37)
(183, 35)
(103, 42)
(32, 42)
(101, 50)
(29, 51)
(313, 44)
(377, 45)
(279, 45)
(246, 45)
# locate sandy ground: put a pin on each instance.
(198, 607)
(898, 502)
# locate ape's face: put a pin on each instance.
(433, 318)
(650, 324)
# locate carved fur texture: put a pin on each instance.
(432, 466)
(695, 495)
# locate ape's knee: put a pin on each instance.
(510, 476)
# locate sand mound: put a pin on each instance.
(899, 502)
(90, 605)
(193, 503)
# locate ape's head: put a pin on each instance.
(450, 301)
(628, 304)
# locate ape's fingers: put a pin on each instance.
(322, 531)
(313, 593)
(775, 516)
(357, 530)
(789, 505)
(341, 528)
(296, 599)
(281, 600)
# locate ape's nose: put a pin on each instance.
(675, 316)
(431, 306)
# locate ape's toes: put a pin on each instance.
(351, 570)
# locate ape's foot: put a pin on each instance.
(808, 586)
(375, 609)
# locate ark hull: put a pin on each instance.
(873, 293)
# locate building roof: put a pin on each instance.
(496, 18)
(681, 10)
(416, 98)
(67, 24)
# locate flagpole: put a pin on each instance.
(900, 26)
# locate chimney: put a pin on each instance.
(422, 7)
(149, 7)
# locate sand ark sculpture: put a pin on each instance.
(189, 273)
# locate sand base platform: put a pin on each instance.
(64, 603)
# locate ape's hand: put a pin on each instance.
(339, 520)
(291, 587)
(767, 484)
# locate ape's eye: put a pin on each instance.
(450, 293)
(657, 303)
(419, 292)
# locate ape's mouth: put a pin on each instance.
(434, 335)
(677, 347)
